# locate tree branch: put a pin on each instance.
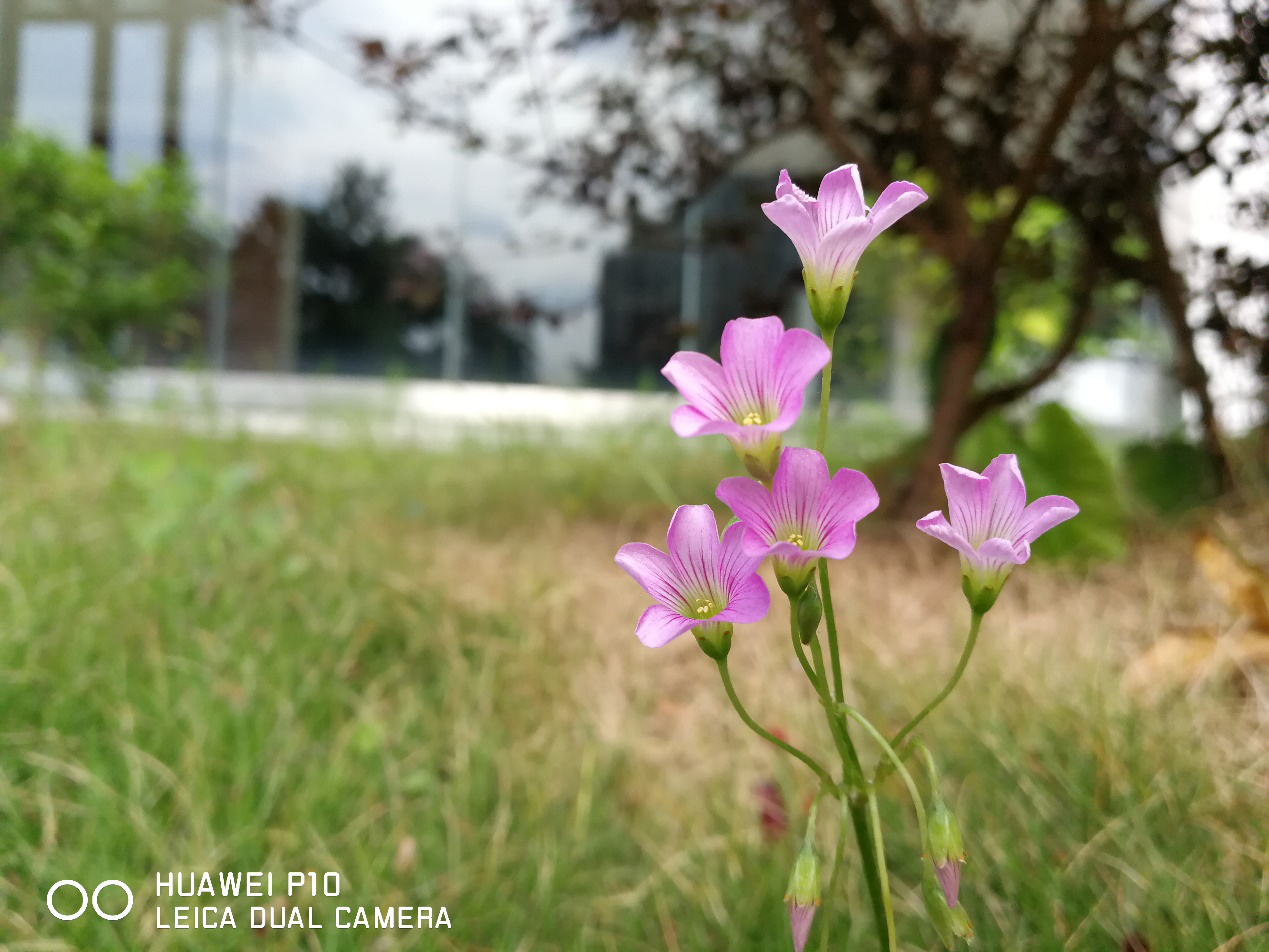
(1087, 56)
(1080, 316)
(823, 90)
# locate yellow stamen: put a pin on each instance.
(704, 608)
(752, 418)
(796, 539)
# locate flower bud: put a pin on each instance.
(810, 611)
(950, 924)
(803, 897)
(946, 850)
(714, 638)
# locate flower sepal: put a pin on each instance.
(714, 639)
(980, 595)
(761, 459)
(828, 304)
(793, 577)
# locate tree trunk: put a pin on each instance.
(966, 348)
(1190, 371)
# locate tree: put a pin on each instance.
(87, 262)
(992, 106)
(367, 286)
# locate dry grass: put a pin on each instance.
(423, 674)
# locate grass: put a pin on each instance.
(417, 670)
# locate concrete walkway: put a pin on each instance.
(419, 412)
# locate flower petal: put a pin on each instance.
(660, 625)
(936, 525)
(791, 217)
(689, 421)
(653, 570)
(701, 382)
(839, 251)
(841, 197)
(949, 876)
(998, 551)
(848, 498)
(1008, 496)
(795, 491)
(751, 503)
(693, 547)
(736, 561)
(897, 200)
(749, 351)
(786, 186)
(799, 357)
(747, 601)
(968, 501)
(1043, 514)
(800, 919)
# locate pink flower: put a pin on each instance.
(703, 583)
(805, 516)
(832, 231)
(755, 394)
(991, 526)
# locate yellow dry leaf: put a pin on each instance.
(1239, 585)
(1178, 661)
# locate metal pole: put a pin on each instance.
(10, 36)
(100, 129)
(218, 330)
(456, 279)
(691, 305)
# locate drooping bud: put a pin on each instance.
(714, 639)
(946, 850)
(810, 611)
(803, 897)
(950, 924)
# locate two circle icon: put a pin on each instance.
(83, 895)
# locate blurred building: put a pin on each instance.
(269, 129)
(676, 285)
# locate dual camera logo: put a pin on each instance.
(83, 895)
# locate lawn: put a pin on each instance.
(418, 671)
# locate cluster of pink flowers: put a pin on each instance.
(790, 509)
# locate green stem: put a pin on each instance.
(868, 856)
(834, 870)
(821, 438)
(854, 770)
(875, 817)
(850, 759)
(974, 625)
(826, 382)
(830, 623)
(797, 641)
(930, 767)
(767, 735)
(898, 766)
